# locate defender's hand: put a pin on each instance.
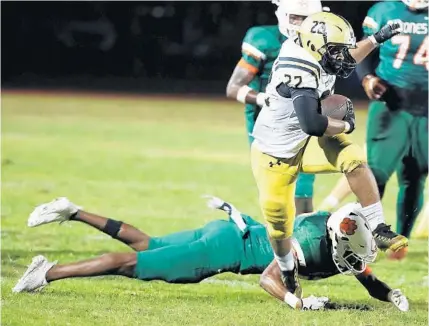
(314, 303)
(216, 203)
(387, 32)
(398, 299)
(374, 87)
(350, 117)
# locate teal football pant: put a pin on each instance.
(191, 256)
(398, 142)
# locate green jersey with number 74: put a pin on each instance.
(404, 58)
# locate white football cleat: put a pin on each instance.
(35, 276)
(399, 300)
(58, 210)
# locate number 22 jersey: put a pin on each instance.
(277, 131)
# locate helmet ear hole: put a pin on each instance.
(312, 47)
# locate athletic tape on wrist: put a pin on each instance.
(242, 93)
(291, 300)
(347, 127)
(260, 99)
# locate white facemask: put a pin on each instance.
(353, 245)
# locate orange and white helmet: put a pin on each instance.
(416, 4)
(353, 245)
(291, 13)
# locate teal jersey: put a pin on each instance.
(313, 249)
(403, 59)
(258, 253)
(260, 48)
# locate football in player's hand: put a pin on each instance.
(335, 106)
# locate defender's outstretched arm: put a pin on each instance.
(381, 291)
(366, 46)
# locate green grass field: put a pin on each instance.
(147, 161)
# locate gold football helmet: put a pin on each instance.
(328, 38)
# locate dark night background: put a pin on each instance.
(147, 47)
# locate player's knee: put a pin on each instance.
(350, 166)
(276, 215)
(352, 158)
(127, 270)
(274, 210)
(123, 263)
(280, 231)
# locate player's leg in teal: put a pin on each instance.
(118, 230)
(387, 142)
(412, 176)
(411, 182)
(174, 239)
(220, 249)
(133, 237)
(304, 193)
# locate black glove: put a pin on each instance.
(387, 32)
(350, 117)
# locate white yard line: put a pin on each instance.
(230, 283)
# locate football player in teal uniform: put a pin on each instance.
(396, 81)
(325, 245)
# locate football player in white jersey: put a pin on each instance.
(302, 75)
(247, 84)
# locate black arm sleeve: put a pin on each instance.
(376, 288)
(368, 65)
(306, 104)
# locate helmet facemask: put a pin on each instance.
(346, 260)
(289, 23)
(337, 60)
